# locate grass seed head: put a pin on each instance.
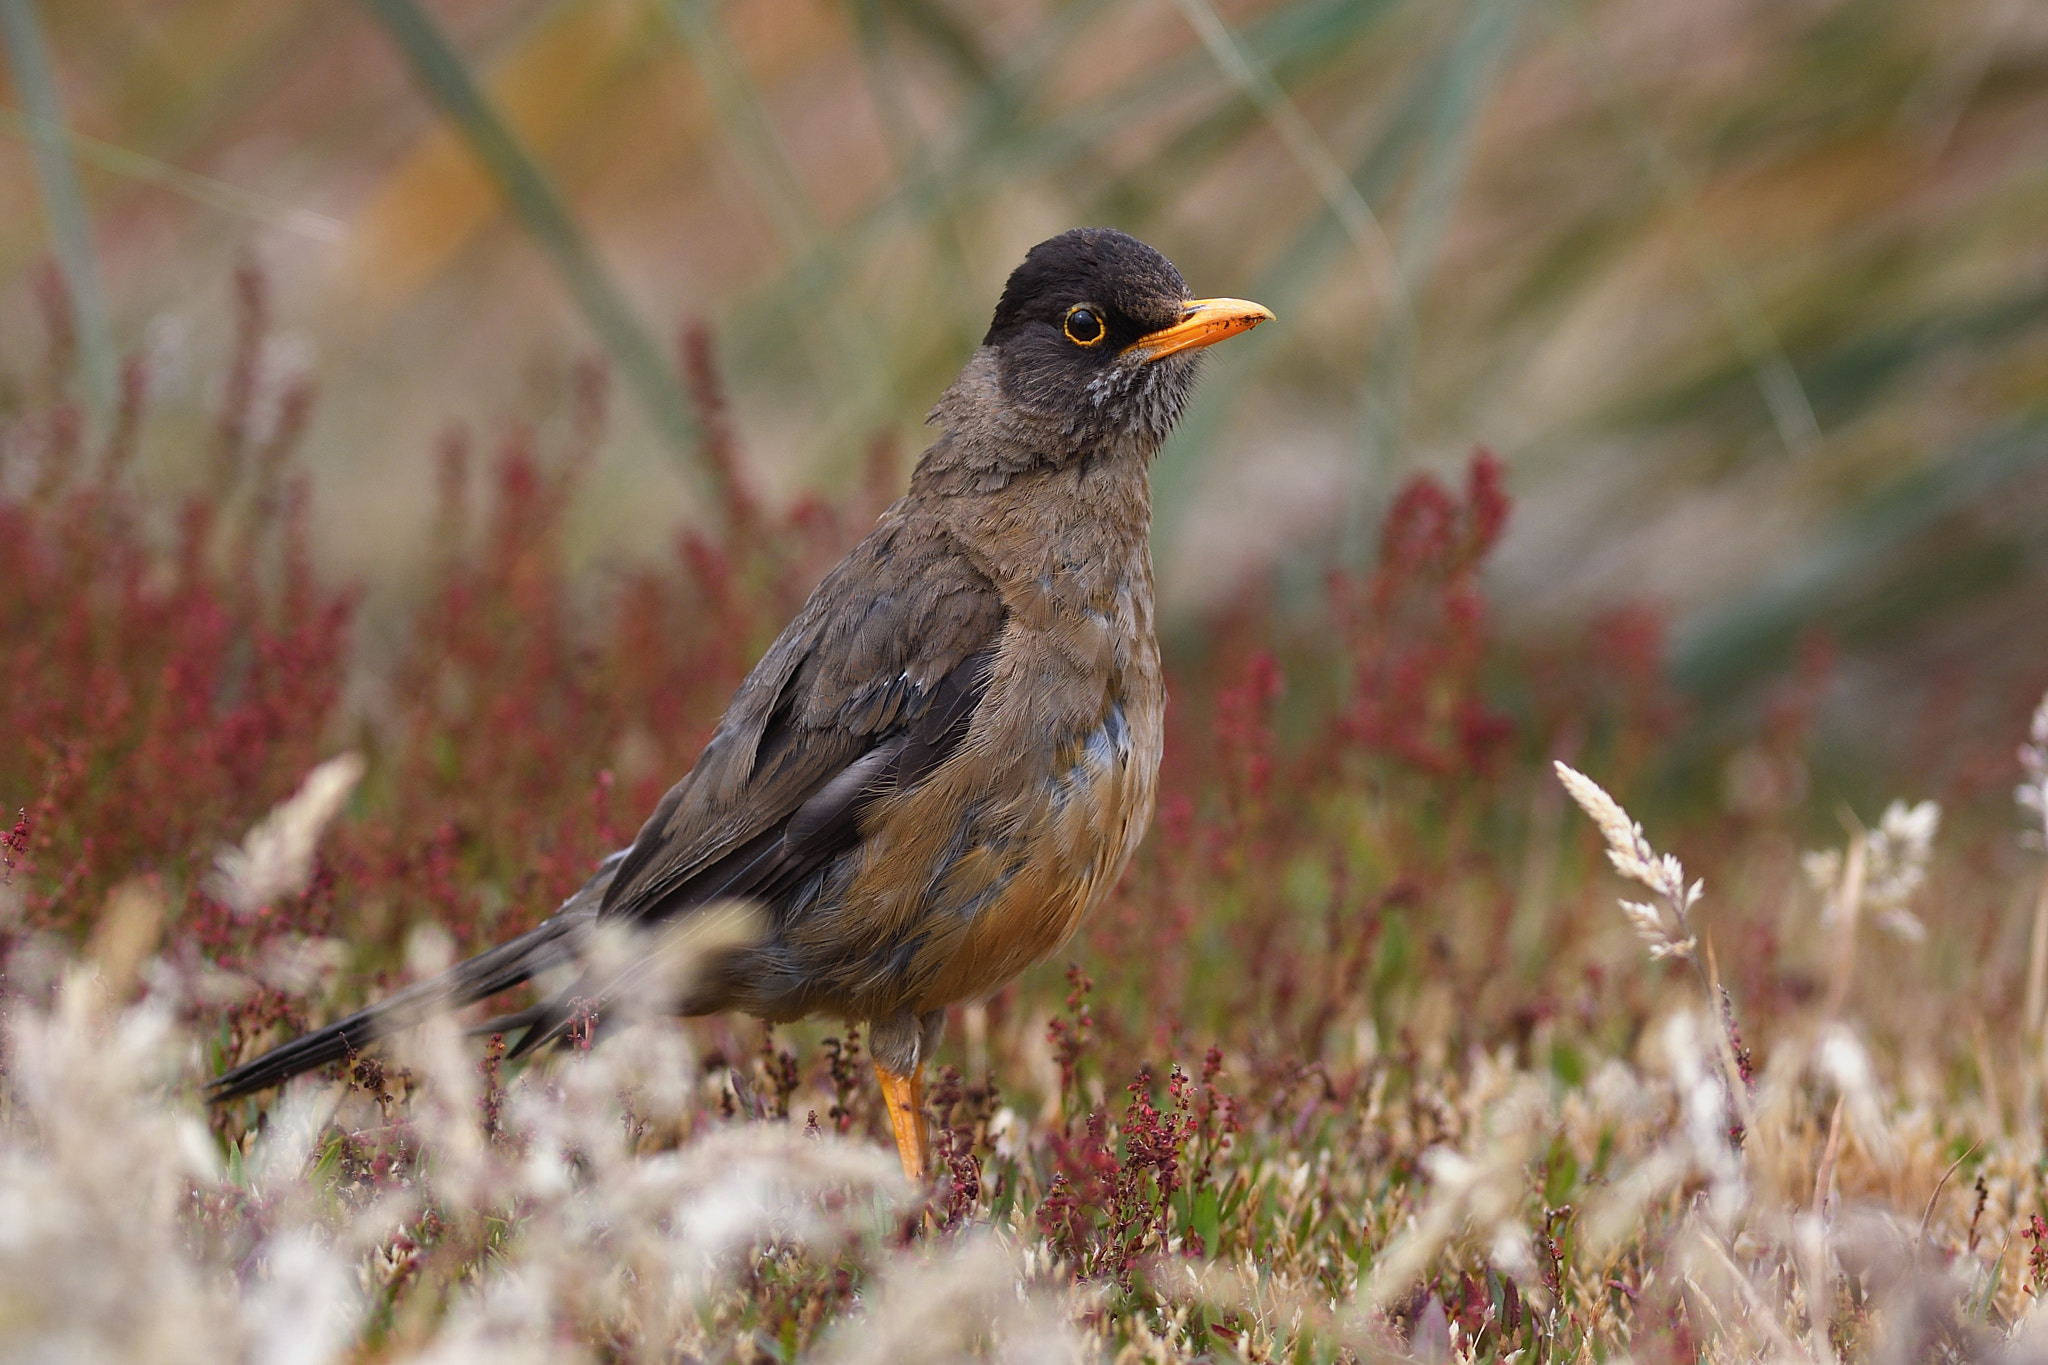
(275, 859)
(1635, 859)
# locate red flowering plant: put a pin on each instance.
(1359, 910)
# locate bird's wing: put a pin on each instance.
(867, 691)
(882, 656)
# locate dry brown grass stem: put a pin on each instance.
(1756, 1309)
(2037, 963)
(1824, 1178)
(2032, 798)
(1848, 907)
(1934, 1196)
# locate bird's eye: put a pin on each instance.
(1084, 325)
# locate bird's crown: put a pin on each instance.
(1132, 288)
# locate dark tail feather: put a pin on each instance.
(501, 968)
(545, 1022)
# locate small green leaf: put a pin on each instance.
(1562, 1177)
(1206, 1219)
(1568, 1064)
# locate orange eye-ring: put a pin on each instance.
(1084, 325)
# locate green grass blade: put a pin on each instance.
(1439, 108)
(975, 164)
(546, 218)
(1467, 80)
(907, 146)
(1784, 396)
(200, 189)
(767, 168)
(70, 227)
(1339, 194)
(999, 144)
(953, 42)
(745, 123)
(995, 146)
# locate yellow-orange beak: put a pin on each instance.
(1206, 322)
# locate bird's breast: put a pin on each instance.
(1068, 740)
(990, 862)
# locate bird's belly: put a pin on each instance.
(990, 863)
(1020, 894)
(963, 883)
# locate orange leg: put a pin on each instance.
(905, 1097)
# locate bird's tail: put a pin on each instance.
(550, 944)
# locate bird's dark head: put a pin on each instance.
(1096, 331)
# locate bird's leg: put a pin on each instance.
(903, 1092)
(900, 1043)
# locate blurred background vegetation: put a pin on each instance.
(1751, 297)
(1748, 297)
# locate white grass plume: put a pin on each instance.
(1892, 869)
(275, 859)
(104, 1160)
(1666, 928)
(936, 1306)
(2032, 792)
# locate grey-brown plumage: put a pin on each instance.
(947, 758)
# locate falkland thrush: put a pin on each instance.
(947, 758)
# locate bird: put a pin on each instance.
(948, 757)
